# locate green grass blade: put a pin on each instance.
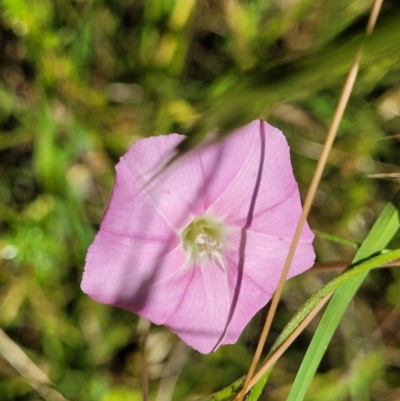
(357, 270)
(354, 272)
(346, 284)
(335, 238)
(227, 393)
(380, 235)
(246, 99)
(256, 391)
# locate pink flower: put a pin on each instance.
(199, 246)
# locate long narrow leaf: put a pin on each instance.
(356, 270)
(380, 235)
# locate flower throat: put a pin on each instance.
(203, 240)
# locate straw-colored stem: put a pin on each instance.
(279, 352)
(28, 369)
(333, 129)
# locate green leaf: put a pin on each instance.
(256, 391)
(335, 238)
(371, 254)
(356, 270)
(257, 91)
(380, 235)
(227, 393)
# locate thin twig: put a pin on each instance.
(299, 329)
(333, 129)
(28, 369)
(143, 331)
(172, 371)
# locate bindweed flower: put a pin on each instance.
(199, 245)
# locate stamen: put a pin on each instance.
(219, 261)
(210, 248)
(203, 240)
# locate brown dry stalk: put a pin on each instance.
(143, 331)
(28, 369)
(278, 353)
(333, 129)
(145, 376)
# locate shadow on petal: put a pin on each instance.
(243, 234)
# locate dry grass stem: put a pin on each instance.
(28, 369)
(143, 331)
(279, 352)
(333, 129)
(171, 372)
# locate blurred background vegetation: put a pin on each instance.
(82, 80)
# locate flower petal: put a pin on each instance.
(131, 211)
(138, 262)
(201, 317)
(123, 271)
(265, 180)
(259, 259)
(188, 186)
(280, 221)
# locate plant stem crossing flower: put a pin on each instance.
(199, 245)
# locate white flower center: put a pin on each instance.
(203, 240)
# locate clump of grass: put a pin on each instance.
(81, 81)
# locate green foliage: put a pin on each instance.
(82, 80)
(385, 228)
